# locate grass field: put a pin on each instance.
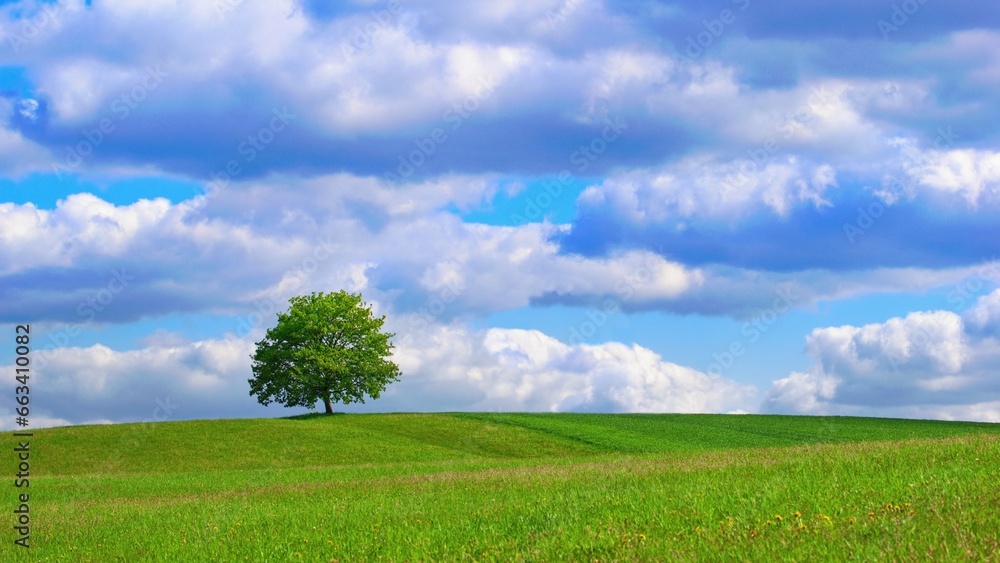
(498, 487)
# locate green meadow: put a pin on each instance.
(514, 487)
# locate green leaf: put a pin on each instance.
(326, 347)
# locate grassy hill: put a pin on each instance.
(481, 486)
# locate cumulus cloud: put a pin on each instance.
(697, 187)
(454, 367)
(367, 83)
(971, 175)
(19, 155)
(789, 214)
(445, 367)
(213, 256)
(984, 318)
(220, 68)
(936, 363)
(96, 384)
(245, 250)
(146, 254)
(341, 144)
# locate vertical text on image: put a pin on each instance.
(22, 367)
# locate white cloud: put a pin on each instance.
(96, 384)
(508, 266)
(513, 369)
(924, 364)
(81, 89)
(84, 226)
(770, 148)
(19, 155)
(970, 174)
(242, 246)
(208, 52)
(802, 393)
(984, 317)
(973, 49)
(932, 341)
(818, 119)
(251, 246)
(8, 421)
(703, 187)
(358, 74)
(445, 367)
(28, 108)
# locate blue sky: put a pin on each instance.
(559, 205)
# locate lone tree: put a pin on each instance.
(328, 347)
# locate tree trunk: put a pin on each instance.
(329, 406)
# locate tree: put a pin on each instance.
(329, 347)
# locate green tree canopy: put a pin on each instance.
(329, 347)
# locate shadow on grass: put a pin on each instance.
(313, 416)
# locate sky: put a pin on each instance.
(734, 206)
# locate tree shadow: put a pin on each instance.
(313, 415)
